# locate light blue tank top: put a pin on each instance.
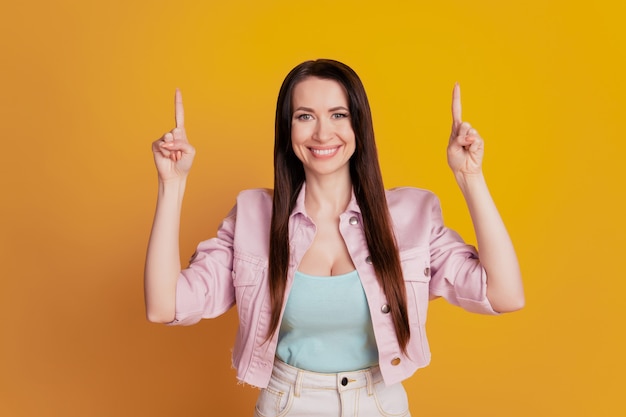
(326, 326)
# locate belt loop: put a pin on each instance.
(370, 385)
(298, 383)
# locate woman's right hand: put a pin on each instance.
(173, 154)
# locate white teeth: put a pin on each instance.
(323, 151)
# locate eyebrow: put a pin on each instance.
(310, 110)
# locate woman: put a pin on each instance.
(331, 274)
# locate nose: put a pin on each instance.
(323, 131)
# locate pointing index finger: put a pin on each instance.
(456, 105)
(179, 112)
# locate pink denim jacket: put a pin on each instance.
(232, 269)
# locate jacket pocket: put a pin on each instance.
(247, 269)
(248, 276)
(416, 269)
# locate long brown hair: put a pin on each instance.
(367, 185)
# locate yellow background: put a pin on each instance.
(87, 86)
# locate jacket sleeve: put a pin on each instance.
(456, 272)
(205, 288)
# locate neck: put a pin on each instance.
(327, 195)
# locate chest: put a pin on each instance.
(327, 254)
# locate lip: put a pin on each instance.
(324, 153)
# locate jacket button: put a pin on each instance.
(385, 308)
(344, 381)
(353, 221)
(395, 361)
(427, 271)
(368, 260)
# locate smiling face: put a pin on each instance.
(321, 130)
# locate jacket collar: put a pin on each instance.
(299, 206)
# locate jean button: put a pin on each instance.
(344, 381)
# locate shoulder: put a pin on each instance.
(261, 195)
(255, 198)
(254, 205)
(414, 213)
(410, 197)
(251, 219)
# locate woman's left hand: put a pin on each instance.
(466, 147)
(505, 290)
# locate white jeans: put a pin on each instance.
(298, 393)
